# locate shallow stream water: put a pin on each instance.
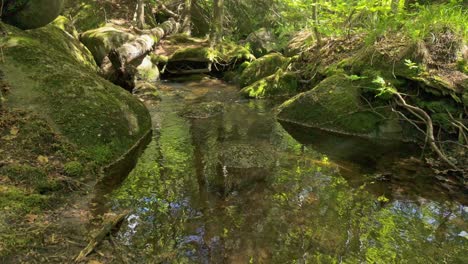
(224, 182)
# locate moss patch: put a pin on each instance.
(101, 41)
(335, 104)
(263, 67)
(279, 84)
(101, 118)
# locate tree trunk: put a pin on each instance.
(187, 23)
(217, 24)
(114, 66)
(316, 24)
(140, 14)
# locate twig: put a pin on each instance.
(101, 235)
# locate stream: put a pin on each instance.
(224, 182)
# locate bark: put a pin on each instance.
(316, 24)
(167, 11)
(217, 25)
(119, 59)
(140, 14)
(186, 24)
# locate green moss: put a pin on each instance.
(73, 168)
(279, 84)
(86, 109)
(19, 201)
(263, 67)
(335, 104)
(101, 41)
(204, 54)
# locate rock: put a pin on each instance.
(30, 14)
(66, 25)
(203, 110)
(262, 67)
(147, 71)
(53, 76)
(279, 84)
(146, 91)
(262, 42)
(102, 40)
(336, 104)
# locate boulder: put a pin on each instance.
(279, 84)
(147, 71)
(337, 104)
(262, 67)
(29, 14)
(102, 40)
(52, 75)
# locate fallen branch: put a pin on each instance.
(101, 235)
(116, 63)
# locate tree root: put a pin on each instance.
(423, 116)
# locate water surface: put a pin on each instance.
(224, 182)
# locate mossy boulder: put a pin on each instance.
(101, 41)
(147, 71)
(262, 67)
(279, 84)
(29, 14)
(52, 75)
(336, 104)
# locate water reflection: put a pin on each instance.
(237, 188)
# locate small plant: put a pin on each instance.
(386, 91)
(73, 168)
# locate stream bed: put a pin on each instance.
(224, 182)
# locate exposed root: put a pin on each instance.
(423, 116)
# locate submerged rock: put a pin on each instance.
(101, 41)
(30, 14)
(102, 119)
(336, 104)
(203, 110)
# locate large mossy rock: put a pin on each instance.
(262, 67)
(279, 84)
(336, 104)
(29, 14)
(52, 75)
(101, 41)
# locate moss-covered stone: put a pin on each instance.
(262, 67)
(101, 41)
(279, 84)
(28, 14)
(336, 104)
(66, 25)
(50, 75)
(147, 71)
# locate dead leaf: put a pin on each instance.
(94, 262)
(14, 131)
(42, 159)
(31, 218)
